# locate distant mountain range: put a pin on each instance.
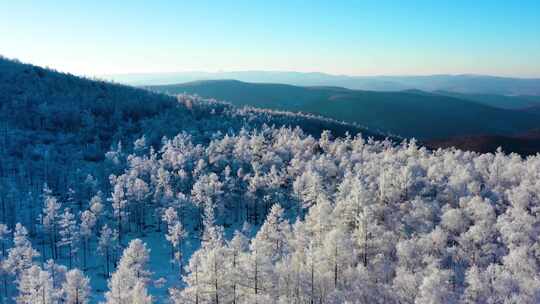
(468, 84)
(33, 98)
(516, 102)
(411, 113)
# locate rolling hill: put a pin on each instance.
(524, 144)
(406, 113)
(513, 102)
(464, 84)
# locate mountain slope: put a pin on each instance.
(65, 139)
(498, 101)
(267, 95)
(47, 117)
(410, 114)
(523, 144)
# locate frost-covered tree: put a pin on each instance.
(107, 245)
(4, 237)
(175, 235)
(119, 204)
(57, 272)
(71, 201)
(205, 193)
(170, 216)
(76, 288)
(436, 287)
(97, 208)
(36, 286)
(51, 217)
(21, 255)
(88, 221)
(236, 248)
(205, 279)
(274, 233)
(69, 234)
(139, 294)
(131, 272)
(138, 190)
(308, 187)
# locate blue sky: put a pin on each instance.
(340, 37)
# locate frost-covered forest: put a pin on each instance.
(117, 195)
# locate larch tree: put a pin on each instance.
(76, 288)
(57, 272)
(106, 246)
(139, 190)
(5, 232)
(21, 255)
(175, 235)
(205, 193)
(119, 203)
(69, 234)
(132, 270)
(139, 294)
(205, 279)
(97, 208)
(436, 287)
(307, 188)
(88, 222)
(4, 237)
(36, 287)
(51, 217)
(236, 247)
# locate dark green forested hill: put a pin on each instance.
(407, 113)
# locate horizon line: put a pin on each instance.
(99, 75)
(537, 77)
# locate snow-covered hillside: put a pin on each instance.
(115, 194)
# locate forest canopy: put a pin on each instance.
(115, 194)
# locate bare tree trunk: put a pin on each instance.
(335, 268)
(312, 283)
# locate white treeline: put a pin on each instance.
(350, 221)
(282, 217)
